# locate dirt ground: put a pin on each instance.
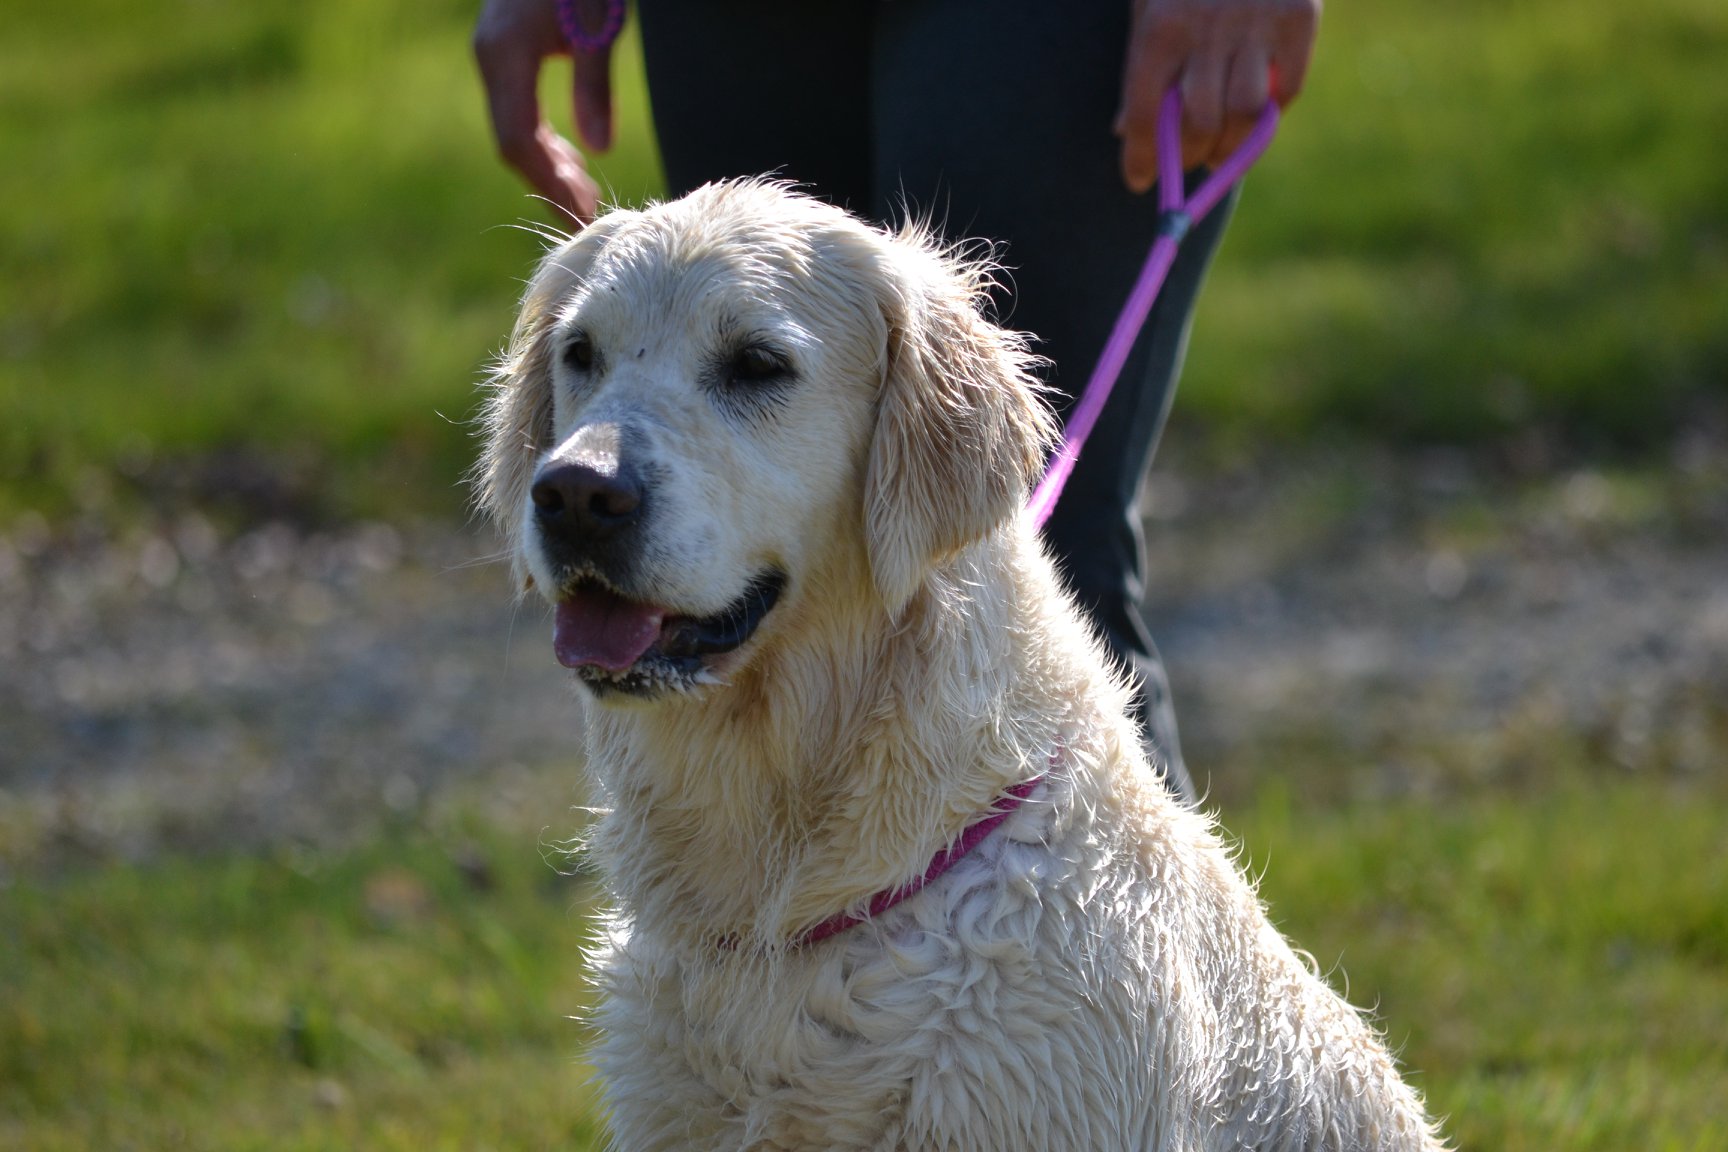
(1355, 623)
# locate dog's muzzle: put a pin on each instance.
(590, 514)
(618, 644)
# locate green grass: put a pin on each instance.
(1483, 215)
(276, 227)
(1553, 968)
(380, 998)
(277, 230)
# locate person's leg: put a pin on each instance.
(755, 87)
(997, 116)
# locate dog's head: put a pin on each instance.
(719, 408)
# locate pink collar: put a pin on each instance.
(969, 839)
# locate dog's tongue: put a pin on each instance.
(600, 628)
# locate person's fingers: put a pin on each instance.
(548, 162)
(1292, 49)
(510, 44)
(566, 182)
(1228, 58)
(1245, 95)
(555, 170)
(591, 97)
(1155, 55)
(510, 73)
(1203, 104)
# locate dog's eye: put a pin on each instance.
(579, 352)
(756, 364)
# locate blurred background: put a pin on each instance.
(1440, 536)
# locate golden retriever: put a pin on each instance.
(767, 464)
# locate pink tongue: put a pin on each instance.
(597, 627)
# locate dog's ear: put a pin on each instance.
(961, 430)
(516, 417)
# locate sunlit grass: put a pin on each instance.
(414, 993)
(1479, 216)
(1552, 965)
(275, 227)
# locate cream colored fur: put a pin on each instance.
(1098, 974)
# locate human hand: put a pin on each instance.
(512, 39)
(1229, 56)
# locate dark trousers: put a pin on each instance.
(995, 116)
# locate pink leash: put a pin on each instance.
(974, 835)
(1177, 216)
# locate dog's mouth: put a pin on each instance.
(614, 642)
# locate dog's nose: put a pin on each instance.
(574, 501)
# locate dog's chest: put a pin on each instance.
(809, 1052)
(942, 1025)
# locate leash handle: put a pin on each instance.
(1177, 214)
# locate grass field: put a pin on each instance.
(270, 230)
(1484, 215)
(254, 256)
(1555, 976)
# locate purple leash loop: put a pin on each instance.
(1176, 217)
(583, 40)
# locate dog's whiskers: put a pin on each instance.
(550, 235)
(500, 557)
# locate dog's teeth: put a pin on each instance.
(681, 640)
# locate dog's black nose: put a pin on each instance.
(576, 502)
